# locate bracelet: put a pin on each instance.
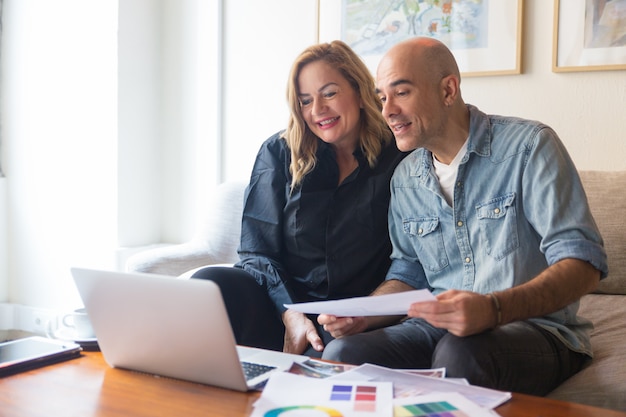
(496, 304)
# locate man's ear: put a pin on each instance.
(450, 89)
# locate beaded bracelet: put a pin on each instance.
(496, 303)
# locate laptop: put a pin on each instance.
(174, 328)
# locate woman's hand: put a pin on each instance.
(299, 333)
(342, 326)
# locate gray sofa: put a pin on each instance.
(602, 383)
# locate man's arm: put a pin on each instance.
(465, 313)
(344, 326)
(556, 287)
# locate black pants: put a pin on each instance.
(253, 317)
(520, 356)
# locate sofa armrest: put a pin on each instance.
(176, 259)
(215, 241)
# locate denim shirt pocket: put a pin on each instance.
(497, 219)
(426, 237)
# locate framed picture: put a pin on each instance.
(589, 35)
(484, 36)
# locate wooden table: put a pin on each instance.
(87, 386)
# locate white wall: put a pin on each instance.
(130, 156)
(261, 40)
(139, 121)
(587, 109)
(4, 270)
(168, 117)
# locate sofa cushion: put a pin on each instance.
(602, 383)
(605, 192)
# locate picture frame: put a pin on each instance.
(589, 35)
(484, 36)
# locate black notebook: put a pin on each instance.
(33, 352)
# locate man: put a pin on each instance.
(488, 213)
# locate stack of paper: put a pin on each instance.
(406, 385)
(374, 391)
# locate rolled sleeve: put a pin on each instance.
(409, 272)
(582, 249)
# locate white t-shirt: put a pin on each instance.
(447, 173)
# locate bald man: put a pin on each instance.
(488, 212)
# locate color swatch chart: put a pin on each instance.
(434, 409)
(363, 396)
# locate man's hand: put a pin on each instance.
(299, 332)
(462, 313)
(342, 326)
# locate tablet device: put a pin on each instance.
(33, 352)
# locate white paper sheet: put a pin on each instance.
(406, 385)
(379, 305)
(294, 395)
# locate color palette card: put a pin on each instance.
(445, 404)
(289, 395)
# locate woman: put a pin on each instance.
(314, 221)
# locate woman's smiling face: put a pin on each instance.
(330, 106)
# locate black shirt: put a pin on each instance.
(322, 240)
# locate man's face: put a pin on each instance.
(412, 103)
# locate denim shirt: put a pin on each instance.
(323, 240)
(519, 207)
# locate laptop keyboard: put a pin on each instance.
(252, 370)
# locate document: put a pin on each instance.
(294, 395)
(378, 305)
(407, 385)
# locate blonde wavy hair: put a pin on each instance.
(374, 133)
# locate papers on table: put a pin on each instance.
(406, 385)
(379, 305)
(373, 391)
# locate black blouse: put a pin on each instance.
(321, 241)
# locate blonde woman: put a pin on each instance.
(314, 224)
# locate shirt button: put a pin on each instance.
(420, 231)
(459, 223)
(497, 211)
(468, 260)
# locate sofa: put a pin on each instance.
(602, 383)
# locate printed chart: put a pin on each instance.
(289, 395)
(434, 409)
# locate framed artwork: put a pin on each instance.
(589, 35)
(484, 36)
